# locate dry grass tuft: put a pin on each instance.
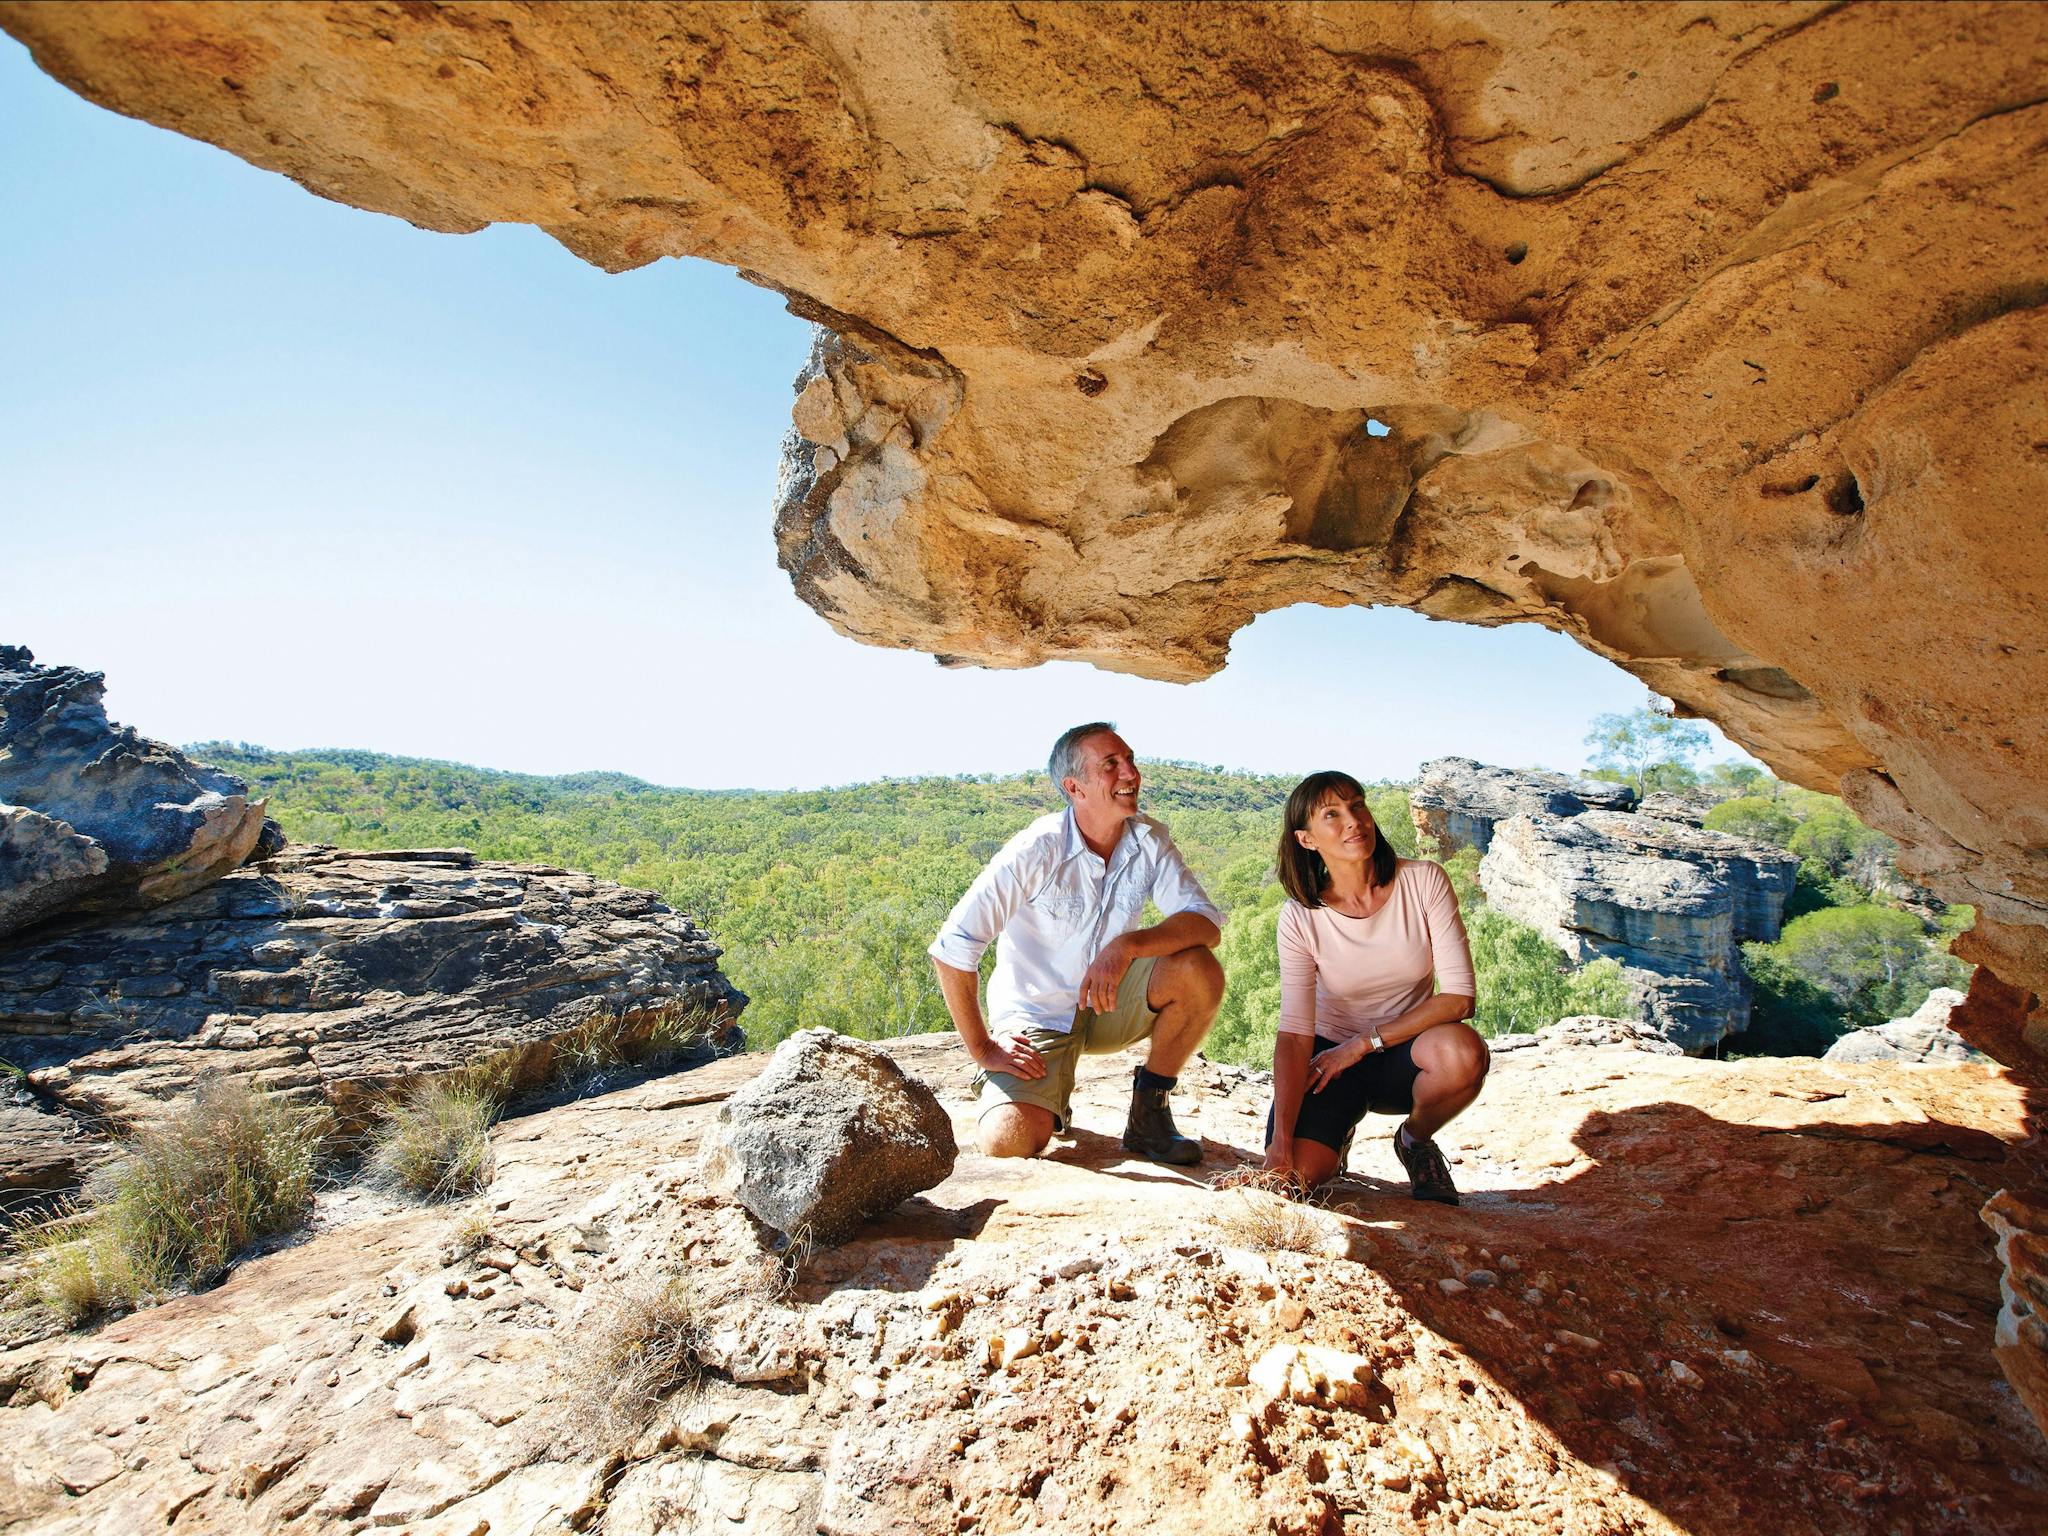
(1268, 1213)
(233, 1166)
(436, 1142)
(472, 1235)
(638, 1348)
(613, 1045)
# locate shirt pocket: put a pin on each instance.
(1060, 904)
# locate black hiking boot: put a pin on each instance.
(1429, 1178)
(1150, 1130)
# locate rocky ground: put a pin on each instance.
(1680, 1295)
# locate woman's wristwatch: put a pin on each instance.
(1378, 1044)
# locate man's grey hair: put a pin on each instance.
(1066, 752)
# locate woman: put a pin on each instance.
(1361, 1025)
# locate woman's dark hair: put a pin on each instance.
(1302, 870)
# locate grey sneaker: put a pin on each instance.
(1429, 1178)
(1150, 1131)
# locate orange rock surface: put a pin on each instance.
(1680, 1295)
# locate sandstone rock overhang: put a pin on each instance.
(1711, 335)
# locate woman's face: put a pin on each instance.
(1340, 828)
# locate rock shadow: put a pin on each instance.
(1753, 1327)
(895, 1252)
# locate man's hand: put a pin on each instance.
(1012, 1054)
(1105, 975)
(1325, 1067)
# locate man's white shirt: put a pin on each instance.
(1049, 905)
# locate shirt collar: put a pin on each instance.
(1073, 846)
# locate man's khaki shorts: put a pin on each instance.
(1094, 1034)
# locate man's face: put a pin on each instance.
(1106, 777)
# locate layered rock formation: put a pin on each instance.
(1672, 902)
(1459, 802)
(329, 973)
(1680, 1295)
(94, 817)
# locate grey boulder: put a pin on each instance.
(94, 817)
(1925, 1037)
(832, 1134)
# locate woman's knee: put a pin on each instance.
(1456, 1051)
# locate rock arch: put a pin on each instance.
(1710, 334)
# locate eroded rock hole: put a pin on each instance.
(1517, 252)
(1844, 497)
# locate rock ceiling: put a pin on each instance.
(1710, 335)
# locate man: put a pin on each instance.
(1075, 974)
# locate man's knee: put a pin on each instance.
(1014, 1130)
(1191, 977)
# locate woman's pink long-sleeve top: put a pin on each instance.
(1340, 976)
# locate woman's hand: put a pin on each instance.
(1280, 1156)
(1325, 1067)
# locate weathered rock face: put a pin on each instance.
(831, 1135)
(1459, 802)
(1689, 1296)
(326, 973)
(1923, 1037)
(1670, 902)
(94, 817)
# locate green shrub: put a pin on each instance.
(1752, 816)
(1835, 839)
(1249, 1017)
(436, 1142)
(233, 1166)
(1525, 982)
(1842, 968)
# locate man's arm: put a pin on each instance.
(1009, 1053)
(1169, 936)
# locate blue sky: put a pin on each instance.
(295, 474)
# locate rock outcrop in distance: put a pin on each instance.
(330, 974)
(93, 816)
(1925, 1036)
(1680, 1296)
(1671, 901)
(1121, 302)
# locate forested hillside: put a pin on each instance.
(825, 899)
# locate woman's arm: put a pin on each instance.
(1290, 1073)
(1444, 1008)
(1295, 1042)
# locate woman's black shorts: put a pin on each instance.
(1383, 1082)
